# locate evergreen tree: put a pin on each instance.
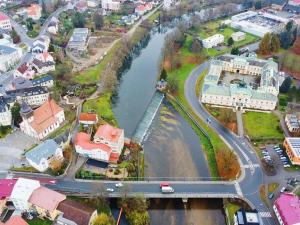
(235, 51)
(196, 45)
(230, 41)
(258, 5)
(163, 74)
(286, 85)
(98, 20)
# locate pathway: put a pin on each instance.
(239, 120)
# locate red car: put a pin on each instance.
(164, 184)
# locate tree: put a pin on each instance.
(296, 46)
(227, 115)
(264, 45)
(289, 26)
(138, 218)
(1, 36)
(163, 74)
(286, 85)
(98, 20)
(78, 20)
(173, 85)
(235, 51)
(103, 219)
(15, 112)
(196, 45)
(29, 23)
(230, 41)
(257, 5)
(275, 43)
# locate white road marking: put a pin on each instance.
(251, 165)
(265, 214)
(238, 189)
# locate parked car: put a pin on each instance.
(119, 184)
(110, 190)
(286, 165)
(270, 196)
(164, 184)
(282, 190)
(167, 190)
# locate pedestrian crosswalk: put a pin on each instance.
(265, 214)
(251, 166)
(238, 189)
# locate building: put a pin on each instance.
(167, 4)
(111, 136)
(44, 81)
(6, 189)
(79, 41)
(243, 217)
(72, 211)
(292, 6)
(53, 26)
(33, 96)
(15, 220)
(42, 121)
(213, 41)
(81, 6)
(242, 83)
(4, 22)
(5, 113)
(42, 67)
(9, 56)
(238, 36)
(111, 5)
(292, 123)
(41, 44)
(258, 23)
(42, 156)
(25, 70)
(20, 83)
(21, 193)
(292, 149)
(45, 202)
(34, 11)
(88, 118)
(287, 209)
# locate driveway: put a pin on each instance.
(11, 149)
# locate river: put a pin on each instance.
(172, 148)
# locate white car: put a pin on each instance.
(282, 190)
(110, 190)
(119, 185)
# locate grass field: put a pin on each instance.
(262, 125)
(39, 222)
(101, 106)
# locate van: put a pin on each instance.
(167, 189)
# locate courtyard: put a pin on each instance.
(228, 78)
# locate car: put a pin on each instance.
(110, 190)
(167, 190)
(270, 196)
(282, 190)
(286, 165)
(119, 184)
(164, 184)
(267, 157)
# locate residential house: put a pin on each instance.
(21, 193)
(287, 209)
(41, 44)
(53, 26)
(44, 57)
(79, 41)
(44, 81)
(42, 121)
(45, 202)
(4, 22)
(243, 217)
(292, 122)
(141, 9)
(238, 36)
(92, 3)
(42, 156)
(76, 212)
(81, 6)
(9, 56)
(111, 136)
(25, 70)
(292, 149)
(33, 96)
(6, 38)
(5, 113)
(15, 220)
(20, 83)
(34, 11)
(111, 5)
(88, 118)
(42, 67)
(6, 189)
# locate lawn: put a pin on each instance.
(231, 210)
(101, 106)
(37, 221)
(262, 126)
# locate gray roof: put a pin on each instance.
(21, 83)
(40, 80)
(6, 50)
(44, 150)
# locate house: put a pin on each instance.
(5, 22)
(15, 220)
(92, 3)
(53, 26)
(85, 147)
(42, 156)
(88, 118)
(25, 71)
(21, 193)
(6, 189)
(292, 149)
(140, 10)
(34, 11)
(9, 56)
(44, 57)
(76, 212)
(278, 4)
(238, 36)
(111, 136)
(20, 83)
(243, 217)
(79, 41)
(81, 6)
(287, 209)
(33, 96)
(213, 41)
(292, 122)
(111, 5)
(42, 67)
(41, 44)
(42, 121)
(44, 81)
(5, 113)
(45, 202)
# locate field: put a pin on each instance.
(39, 222)
(262, 126)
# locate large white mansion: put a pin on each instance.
(241, 82)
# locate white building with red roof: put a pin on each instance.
(25, 71)
(88, 118)
(4, 22)
(34, 11)
(42, 121)
(287, 209)
(111, 136)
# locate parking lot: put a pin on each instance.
(275, 156)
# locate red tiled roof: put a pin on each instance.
(16, 220)
(81, 4)
(109, 133)
(88, 117)
(6, 187)
(83, 139)
(44, 116)
(22, 69)
(46, 198)
(33, 9)
(114, 157)
(3, 17)
(141, 8)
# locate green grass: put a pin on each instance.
(101, 106)
(260, 126)
(37, 221)
(92, 74)
(231, 209)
